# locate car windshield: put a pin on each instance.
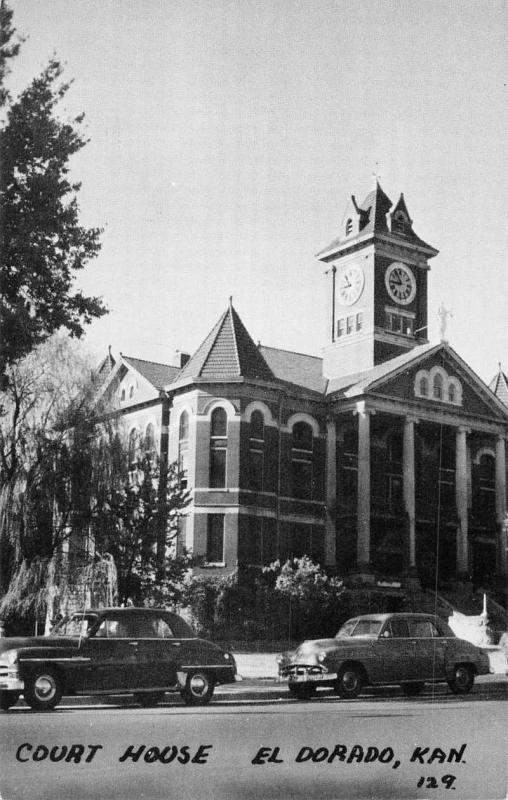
(368, 628)
(75, 625)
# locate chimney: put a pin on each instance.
(180, 359)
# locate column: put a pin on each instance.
(408, 475)
(363, 502)
(501, 502)
(461, 495)
(331, 491)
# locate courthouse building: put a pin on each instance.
(383, 459)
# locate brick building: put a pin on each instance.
(384, 458)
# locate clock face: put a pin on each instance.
(350, 285)
(400, 283)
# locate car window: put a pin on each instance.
(395, 629)
(422, 629)
(151, 627)
(367, 627)
(111, 628)
(77, 625)
(346, 629)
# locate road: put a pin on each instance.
(253, 741)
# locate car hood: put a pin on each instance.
(19, 642)
(309, 650)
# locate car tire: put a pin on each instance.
(302, 691)
(43, 690)
(148, 699)
(462, 679)
(412, 689)
(8, 699)
(198, 689)
(350, 682)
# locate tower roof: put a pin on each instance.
(227, 353)
(499, 385)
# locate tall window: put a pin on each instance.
(424, 387)
(301, 460)
(218, 448)
(486, 473)
(183, 449)
(150, 439)
(437, 388)
(133, 448)
(215, 539)
(349, 227)
(256, 450)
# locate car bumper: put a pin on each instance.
(299, 673)
(11, 683)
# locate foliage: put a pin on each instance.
(42, 243)
(126, 522)
(280, 602)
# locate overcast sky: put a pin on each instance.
(227, 137)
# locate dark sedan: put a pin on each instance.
(139, 651)
(383, 650)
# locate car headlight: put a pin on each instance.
(321, 656)
(10, 657)
(279, 658)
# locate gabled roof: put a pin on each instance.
(370, 380)
(297, 368)
(499, 385)
(227, 353)
(159, 375)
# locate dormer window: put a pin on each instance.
(131, 392)
(122, 395)
(349, 227)
(400, 223)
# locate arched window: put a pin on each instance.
(256, 450)
(349, 227)
(133, 448)
(122, 394)
(400, 223)
(423, 387)
(452, 393)
(150, 439)
(131, 392)
(301, 460)
(437, 388)
(218, 447)
(183, 449)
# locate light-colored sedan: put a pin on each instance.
(384, 650)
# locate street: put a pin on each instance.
(253, 741)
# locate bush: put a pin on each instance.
(280, 602)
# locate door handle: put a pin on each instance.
(176, 644)
(133, 644)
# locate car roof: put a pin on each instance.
(126, 611)
(395, 614)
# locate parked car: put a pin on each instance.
(382, 650)
(139, 651)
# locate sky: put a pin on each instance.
(226, 137)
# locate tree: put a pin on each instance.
(43, 245)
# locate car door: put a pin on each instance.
(158, 652)
(430, 648)
(395, 653)
(113, 656)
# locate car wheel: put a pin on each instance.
(198, 689)
(148, 699)
(8, 699)
(43, 690)
(412, 689)
(302, 691)
(350, 682)
(462, 679)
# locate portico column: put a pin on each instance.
(408, 475)
(461, 493)
(501, 501)
(363, 501)
(331, 491)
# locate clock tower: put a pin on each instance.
(378, 288)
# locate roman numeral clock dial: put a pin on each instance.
(400, 283)
(350, 285)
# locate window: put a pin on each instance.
(437, 387)
(183, 449)
(350, 325)
(399, 323)
(256, 450)
(133, 448)
(424, 387)
(349, 227)
(359, 321)
(131, 392)
(122, 395)
(396, 629)
(340, 328)
(215, 539)
(301, 457)
(400, 223)
(218, 448)
(422, 629)
(150, 438)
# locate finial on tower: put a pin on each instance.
(231, 301)
(376, 175)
